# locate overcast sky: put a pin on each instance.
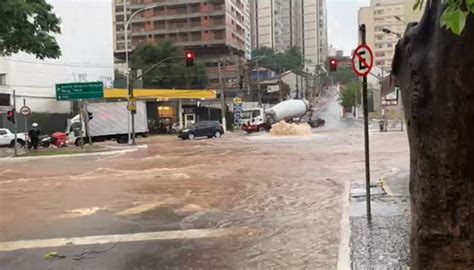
(342, 23)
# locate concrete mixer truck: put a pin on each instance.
(292, 110)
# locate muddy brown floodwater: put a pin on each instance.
(286, 192)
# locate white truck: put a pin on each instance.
(110, 121)
(7, 138)
(288, 110)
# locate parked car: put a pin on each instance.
(7, 138)
(202, 129)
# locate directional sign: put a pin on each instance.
(25, 110)
(76, 91)
(362, 60)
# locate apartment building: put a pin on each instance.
(315, 34)
(267, 24)
(280, 24)
(390, 15)
(217, 30)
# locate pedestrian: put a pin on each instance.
(34, 134)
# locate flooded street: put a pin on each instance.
(239, 202)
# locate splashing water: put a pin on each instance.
(283, 128)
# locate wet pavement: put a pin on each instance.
(237, 202)
(384, 242)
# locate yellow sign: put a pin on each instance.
(237, 100)
(132, 104)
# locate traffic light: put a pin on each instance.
(11, 116)
(189, 58)
(333, 64)
(90, 115)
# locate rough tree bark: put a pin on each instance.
(435, 69)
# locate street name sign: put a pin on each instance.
(79, 91)
(362, 60)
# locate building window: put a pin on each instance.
(3, 79)
(389, 45)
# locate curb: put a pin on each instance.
(108, 153)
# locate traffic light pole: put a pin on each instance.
(15, 125)
(366, 133)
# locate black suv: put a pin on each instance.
(202, 129)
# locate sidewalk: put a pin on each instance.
(384, 243)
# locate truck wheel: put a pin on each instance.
(122, 139)
(261, 129)
(78, 142)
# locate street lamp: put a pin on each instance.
(130, 92)
(388, 31)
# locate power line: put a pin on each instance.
(70, 64)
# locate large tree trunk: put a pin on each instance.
(435, 69)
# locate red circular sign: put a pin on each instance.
(362, 60)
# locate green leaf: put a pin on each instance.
(455, 20)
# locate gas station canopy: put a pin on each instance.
(117, 93)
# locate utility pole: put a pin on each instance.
(15, 131)
(258, 85)
(88, 130)
(132, 113)
(81, 117)
(222, 97)
(366, 133)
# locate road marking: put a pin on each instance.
(122, 238)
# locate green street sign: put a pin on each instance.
(76, 91)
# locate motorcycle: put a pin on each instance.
(45, 141)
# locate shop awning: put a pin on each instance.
(111, 93)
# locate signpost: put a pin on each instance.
(132, 105)
(237, 111)
(79, 91)
(25, 111)
(362, 63)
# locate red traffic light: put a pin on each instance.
(11, 116)
(333, 64)
(189, 59)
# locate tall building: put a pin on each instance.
(267, 24)
(389, 15)
(280, 24)
(217, 30)
(315, 33)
